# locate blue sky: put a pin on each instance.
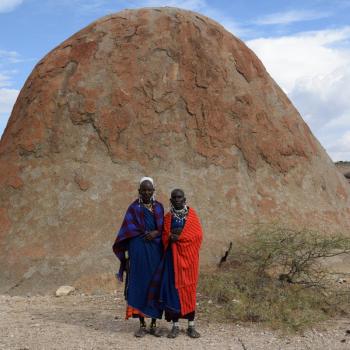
(305, 46)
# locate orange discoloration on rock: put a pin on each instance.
(246, 62)
(5, 224)
(83, 52)
(124, 185)
(15, 182)
(310, 139)
(81, 182)
(10, 174)
(30, 251)
(342, 192)
(231, 193)
(332, 217)
(266, 206)
(71, 244)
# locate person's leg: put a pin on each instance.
(142, 331)
(191, 330)
(175, 330)
(154, 330)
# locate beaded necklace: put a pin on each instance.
(148, 206)
(180, 214)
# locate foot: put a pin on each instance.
(141, 332)
(154, 330)
(174, 332)
(192, 333)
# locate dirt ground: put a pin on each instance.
(97, 322)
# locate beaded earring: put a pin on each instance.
(140, 199)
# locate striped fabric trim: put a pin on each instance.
(132, 312)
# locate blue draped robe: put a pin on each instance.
(145, 257)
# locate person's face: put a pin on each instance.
(178, 199)
(146, 191)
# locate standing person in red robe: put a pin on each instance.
(182, 238)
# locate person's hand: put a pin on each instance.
(174, 237)
(120, 277)
(151, 235)
(122, 269)
(176, 231)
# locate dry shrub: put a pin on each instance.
(277, 276)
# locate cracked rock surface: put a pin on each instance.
(160, 92)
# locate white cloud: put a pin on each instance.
(4, 80)
(341, 148)
(7, 100)
(9, 5)
(291, 17)
(81, 7)
(325, 99)
(194, 5)
(8, 94)
(314, 70)
(310, 54)
(9, 56)
(90, 6)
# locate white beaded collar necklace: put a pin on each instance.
(180, 214)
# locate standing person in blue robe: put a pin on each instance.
(138, 246)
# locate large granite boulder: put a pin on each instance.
(160, 92)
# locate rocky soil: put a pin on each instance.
(97, 322)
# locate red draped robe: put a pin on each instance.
(186, 259)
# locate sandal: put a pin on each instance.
(174, 332)
(192, 333)
(154, 330)
(141, 332)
